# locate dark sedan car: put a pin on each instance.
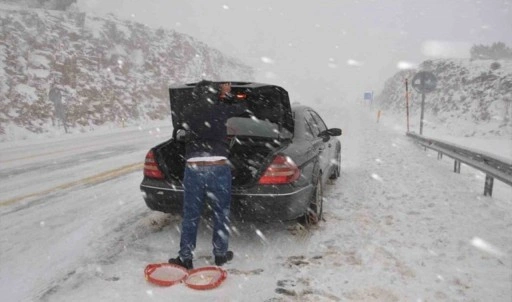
(280, 156)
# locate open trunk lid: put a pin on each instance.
(267, 103)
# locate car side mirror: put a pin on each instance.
(334, 132)
(326, 134)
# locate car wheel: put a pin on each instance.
(313, 214)
(337, 170)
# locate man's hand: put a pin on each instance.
(182, 135)
(225, 89)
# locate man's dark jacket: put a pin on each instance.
(206, 121)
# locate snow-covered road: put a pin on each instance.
(69, 159)
(399, 226)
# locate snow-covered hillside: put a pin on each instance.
(477, 92)
(108, 70)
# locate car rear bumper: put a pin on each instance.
(261, 203)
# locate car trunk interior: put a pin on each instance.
(249, 157)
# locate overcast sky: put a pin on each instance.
(326, 49)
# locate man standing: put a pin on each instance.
(207, 173)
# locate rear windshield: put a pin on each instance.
(253, 127)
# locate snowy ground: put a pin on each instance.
(399, 226)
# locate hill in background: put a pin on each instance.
(107, 70)
(475, 92)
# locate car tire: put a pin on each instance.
(314, 211)
(337, 170)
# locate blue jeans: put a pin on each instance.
(205, 183)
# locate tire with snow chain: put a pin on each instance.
(314, 212)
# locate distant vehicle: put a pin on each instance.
(281, 158)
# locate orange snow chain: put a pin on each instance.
(165, 274)
(207, 277)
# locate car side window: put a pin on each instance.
(312, 124)
(319, 121)
(309, 132)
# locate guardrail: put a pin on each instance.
(491, 166)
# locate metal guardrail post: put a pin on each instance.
(439, 155)
(456, 166)
(489, 182)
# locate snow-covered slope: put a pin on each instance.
(477, 92)
(109, 70)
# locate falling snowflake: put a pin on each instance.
(376, 177)
(486, 247)
(403, 65)
(267, 60)
(259, 233)
(352, 62)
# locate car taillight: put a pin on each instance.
(151, 169)
(282, 170)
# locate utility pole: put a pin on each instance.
(422, 112)
(407, 101)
